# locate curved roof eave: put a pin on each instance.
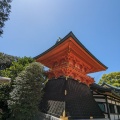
(74, 37)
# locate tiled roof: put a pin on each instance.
(109, 90)
(100, 88)
(110, 86)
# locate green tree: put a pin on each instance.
(16, 67)
(4, 13)
(27, 93)
(6, 60)
(111, 78)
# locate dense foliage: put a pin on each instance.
(12, 67)
(16, 67)
(6, 60)
(111, 78)
(4, 13)
(4, 96)
(26, 94)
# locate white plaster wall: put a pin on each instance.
(99, 100)
(112, 116)
(109, 101)
(106, 115)
(116, 116)
(113, 102)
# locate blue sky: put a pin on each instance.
(35, 25)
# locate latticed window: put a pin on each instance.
(102, 106)
(112, 108)
(118, 109)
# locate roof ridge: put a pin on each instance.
(104, 83)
